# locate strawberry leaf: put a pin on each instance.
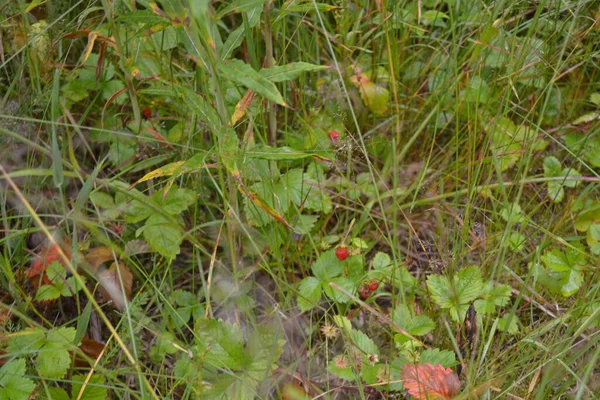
(457, 293)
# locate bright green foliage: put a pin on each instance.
(245, 75)
(13, 383)
(552, 169)
(458, 292)
(512, 214)
(436, 356)
(52, 348)
(165, 344)
(162, 231)
(186, 305)
(516, 241)
(94, 389)
(60, 285)
(564, 270)
(327, 268)
(416, 325)
(593, 238)
(588, 145)
(221, 347)
(509, 324)
(359, 363)
(292, 190)
(398, 275)
(509, 141)
(492, 296)
(588, 213)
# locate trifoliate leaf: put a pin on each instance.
(492, 296)
(456, 293)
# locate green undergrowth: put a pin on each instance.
(299, 199)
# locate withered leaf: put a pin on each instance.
(110, 284)
(90, 348)
(98, 256)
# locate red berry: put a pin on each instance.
(334, 135)
(364, 293)
(147, 113)
(373, 286)
(342, 253)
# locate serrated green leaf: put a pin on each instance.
(13, 383)
(435, 356)
(53, 362)
(290, 71)
(222, 344)
(337, 295)
(512, 213)
(492, 297)
(62, 337)
(421, 325)
(416, 325)
(162, 235)
(509, 324)
(25, 341)
(305, 223)
(47, 292)
(556, 260)
(342, 322)
(134, 211)
(327, 266)
(516, 241)
(571, 283)
(456, 294)
(309, 293)
(242, 73)
(102, 200)
(381, 260)
(364, 343)
(595, 98)
(94, 388)
(593, 238)
(552, 167)
(177, 200)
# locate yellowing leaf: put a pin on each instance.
(241, 107)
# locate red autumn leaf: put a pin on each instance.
(46, 256)
(426, 381)
(110, 284)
